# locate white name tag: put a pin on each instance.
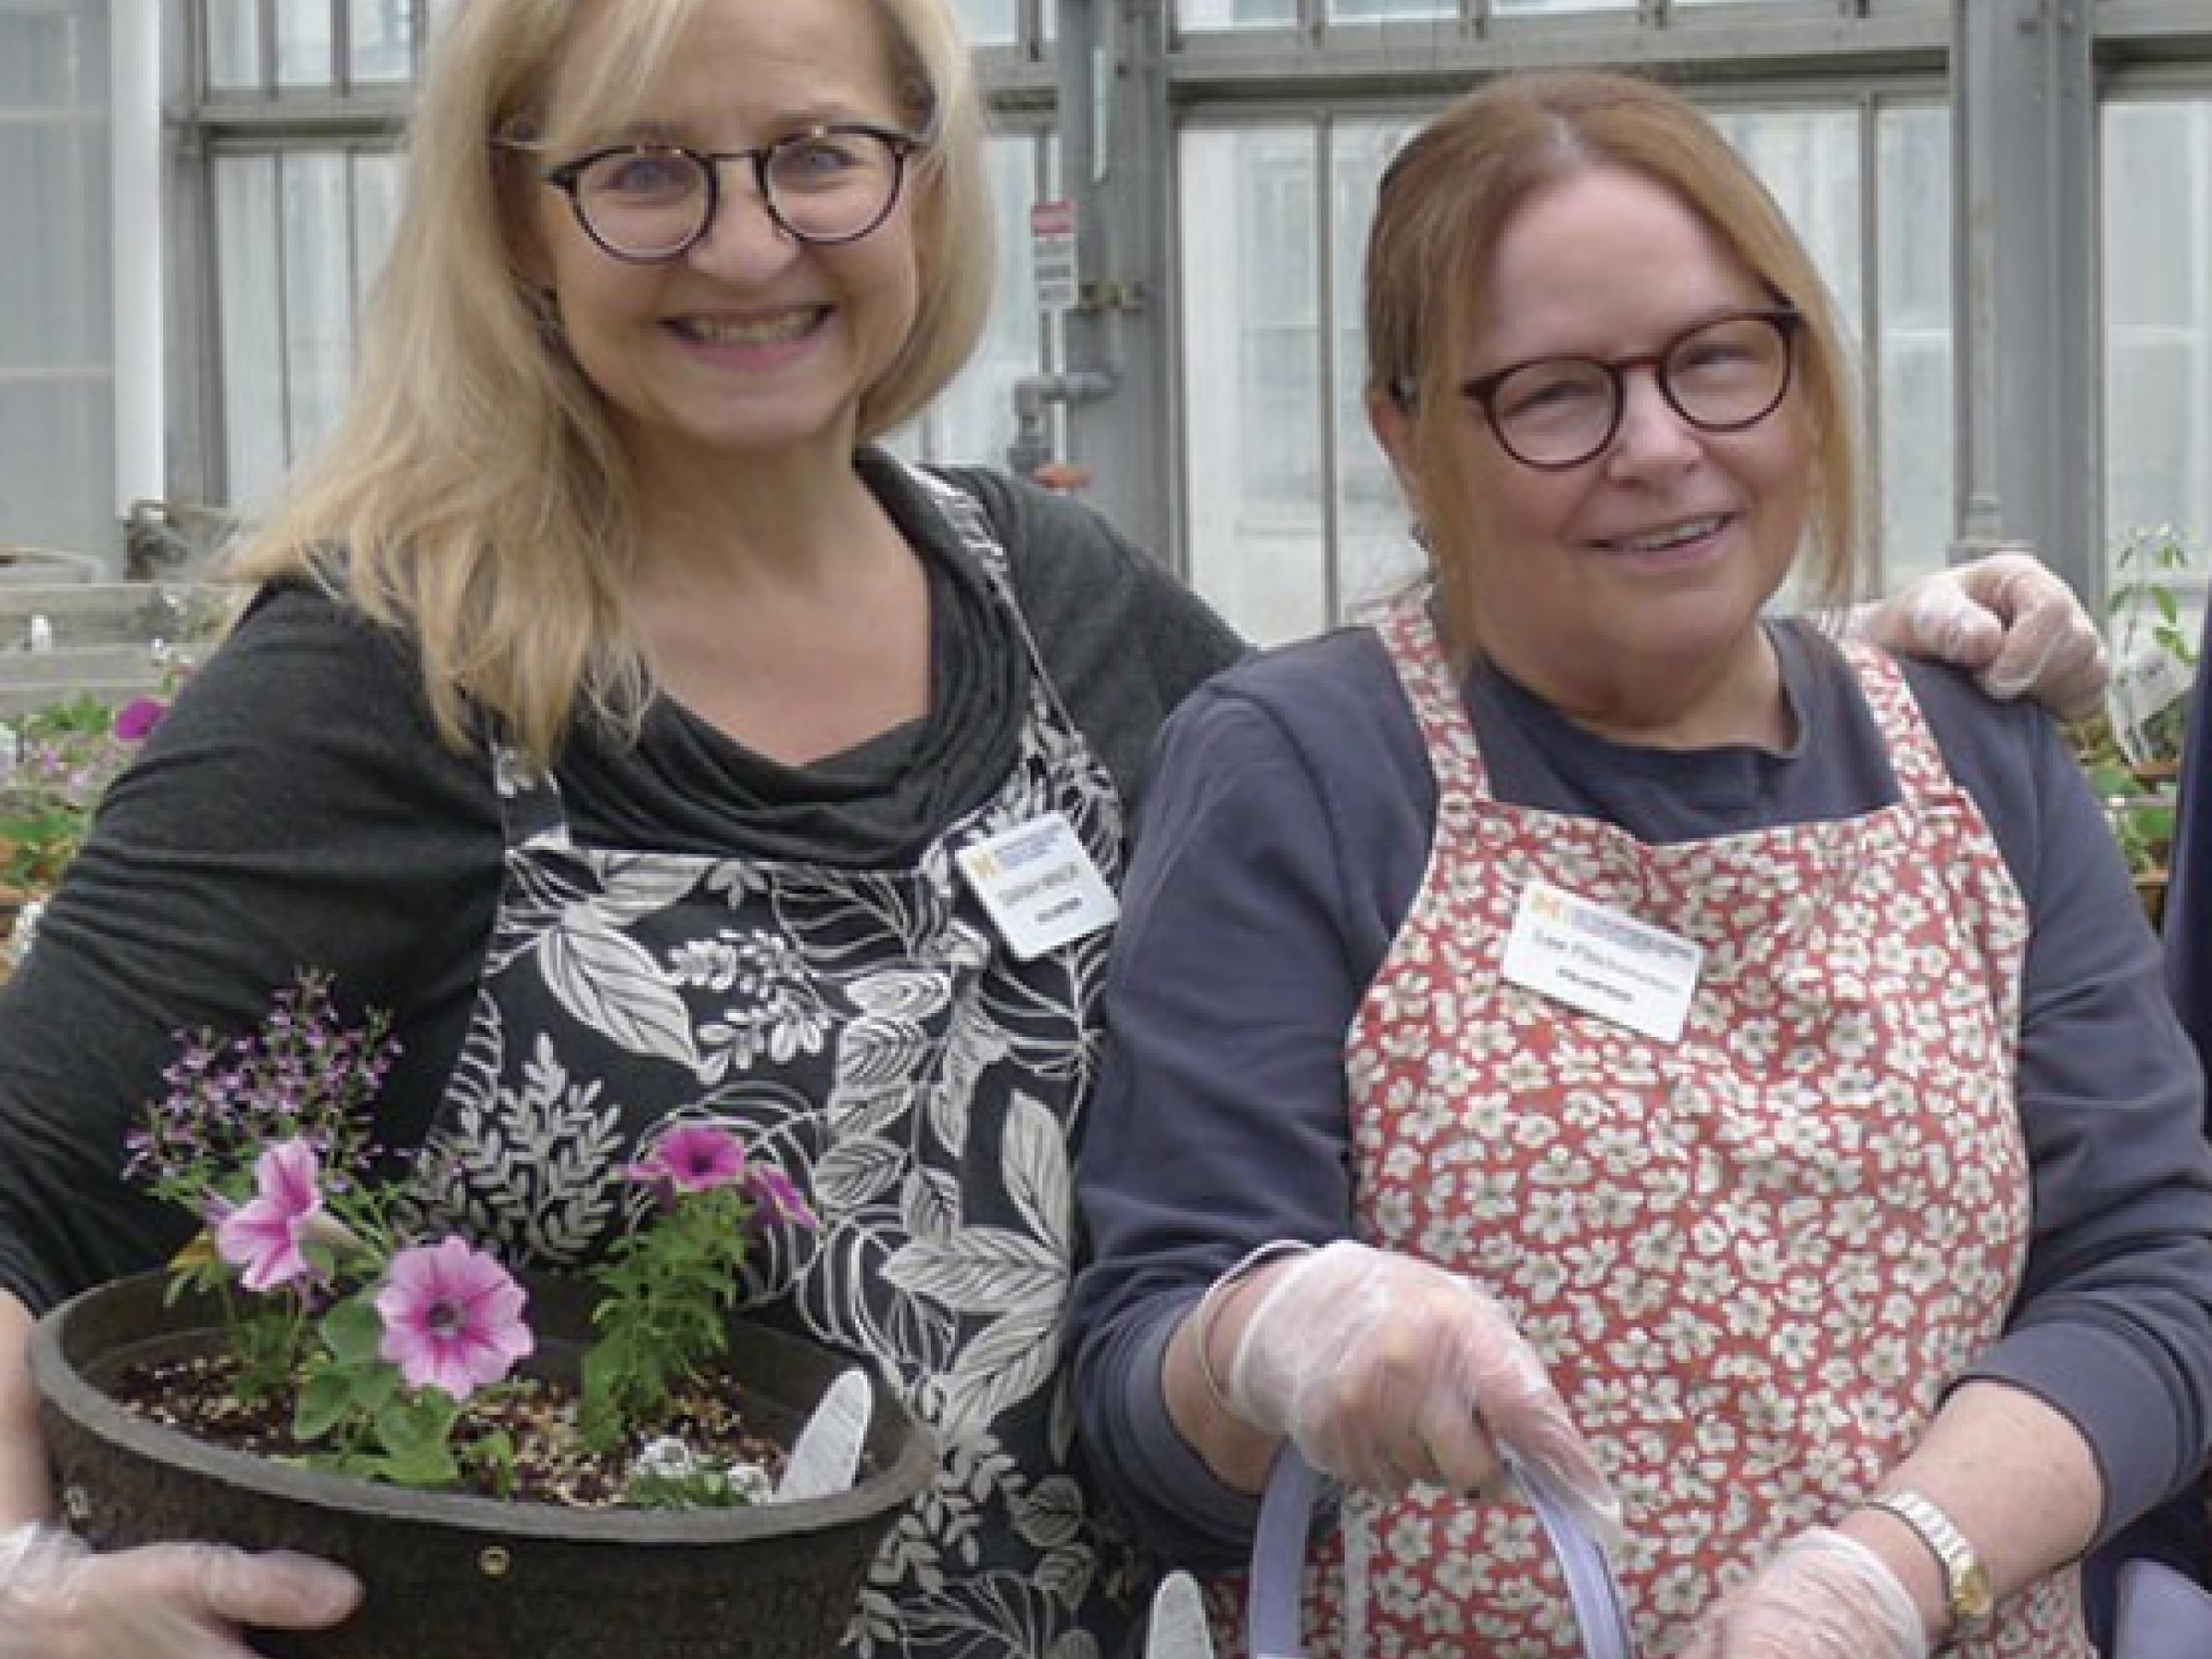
(1602, 961)
(1038, 885)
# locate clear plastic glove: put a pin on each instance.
(166, 1601)
(1386, 1370)
(2008, 618)
(1824, 1596)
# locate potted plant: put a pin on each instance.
(2139, 809)
(2153, 649)
(514, 1467)
(2132, 751)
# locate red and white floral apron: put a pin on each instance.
(1753, 1258)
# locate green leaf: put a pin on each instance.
(427, 1465)
(354, 1331)
(325, 1400)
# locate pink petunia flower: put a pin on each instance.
(778, 1201)
(264, 1235)
(137, 718)
(453, 1318)
(692, 1159)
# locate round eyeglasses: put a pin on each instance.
(1722, 376)
(646, 202)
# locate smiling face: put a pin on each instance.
(750, 348)
(1614, 586)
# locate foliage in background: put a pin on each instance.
(2130, 751)
(2153, 643)
(64, 758)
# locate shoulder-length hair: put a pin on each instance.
(1444, 204)
(473, 492)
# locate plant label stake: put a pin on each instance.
(826, 1455)
(1177, 1628)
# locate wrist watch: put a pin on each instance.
(1967, 1596)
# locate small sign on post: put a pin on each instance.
(1053, 254)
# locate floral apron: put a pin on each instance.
(866, 1031)
(1752, 1258)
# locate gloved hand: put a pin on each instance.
(1385, 1370)
(165, 1601)
(2007, 618)
(1826, 1595)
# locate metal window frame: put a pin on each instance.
(1132, 63)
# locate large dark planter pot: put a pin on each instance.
(453, 1576)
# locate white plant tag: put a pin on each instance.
(826, 1456)
(1177, 1629)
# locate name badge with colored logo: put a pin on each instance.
(1039, 886)
(1602, 961)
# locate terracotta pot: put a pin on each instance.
(456, 1576)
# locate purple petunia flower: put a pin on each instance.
(264, 1235)
(778, 1201)
(137, 717)
(691, 1159)
(453, 1318)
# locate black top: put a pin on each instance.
(295, 808)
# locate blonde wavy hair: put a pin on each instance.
(473, 493)
(1444, 204)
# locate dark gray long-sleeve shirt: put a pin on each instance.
(1282, 844)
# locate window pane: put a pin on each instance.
(303, 43)
(1252, 390)
(989, 22)
(1546, 8)
(376, 187)
(2158, 296)
(1914, 206)
(382, 36)
(1809, 159)
(252, 326)
(1364, 11)
(1236, 14)
(56, 427)
(301, 235)
(318, 293)
(54, 57)
(53, 285)
(233, 45)
(973, 420)
(57, 463)
(1375, 554)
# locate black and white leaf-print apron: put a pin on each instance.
(869, 1032)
